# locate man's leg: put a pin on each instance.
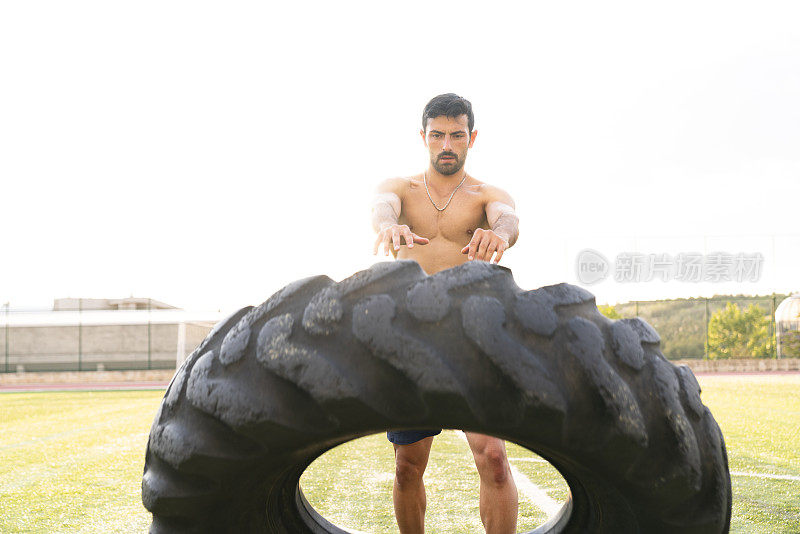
(409, 491)
(499, 502)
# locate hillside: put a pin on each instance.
(681, 323)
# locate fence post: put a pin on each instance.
(7, 304)
(706, 319)
(181, 352)
(773, 328)
(149, 336)
(80, 334)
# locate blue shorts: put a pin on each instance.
(407, 437)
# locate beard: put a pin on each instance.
(450, 168)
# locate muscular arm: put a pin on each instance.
(504, 225)
(385, 213)
(501, 216)
(387, 204)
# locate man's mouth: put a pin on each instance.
(447, 158)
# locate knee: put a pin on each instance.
(407, 473)
(493, 466)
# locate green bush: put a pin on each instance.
(609, 311)
(737, 333)
(790, 345)
(681, 323)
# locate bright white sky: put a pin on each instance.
(208, 153)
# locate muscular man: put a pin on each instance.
(442, 218)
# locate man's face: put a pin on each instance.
(448, 140)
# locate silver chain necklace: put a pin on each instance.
(425, 179)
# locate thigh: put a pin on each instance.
(407, 437)
(481, 444)
(416, 453)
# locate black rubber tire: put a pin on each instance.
(321, 363)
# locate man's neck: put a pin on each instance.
(443, 181)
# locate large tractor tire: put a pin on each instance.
(322, 363)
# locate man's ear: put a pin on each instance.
(472, 137)
(422, 134)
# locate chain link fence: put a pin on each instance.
(44, 340)
(39, 340)
(710, 328)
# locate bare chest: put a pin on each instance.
(457, 222)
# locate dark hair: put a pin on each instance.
(449, 104)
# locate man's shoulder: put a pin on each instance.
(493, 193)
(405, 180)
(397, 185)
(488, 189)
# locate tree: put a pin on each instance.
(737, 333)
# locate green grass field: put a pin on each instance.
(72, 462)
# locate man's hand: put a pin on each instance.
(484, 244)
(394, 232)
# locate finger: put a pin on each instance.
(396, 239)
(500, 251)
(474, 242)
(490, 250)
(378, 242)
(408, 238)
(386, 244)
(419, 239)
(481, 254)
(473, 246)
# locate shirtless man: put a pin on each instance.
(443, 218)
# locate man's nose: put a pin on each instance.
(447, 143)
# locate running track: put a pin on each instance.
(121, 385)
(82, 386)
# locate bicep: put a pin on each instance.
(391, 192)
(498, 203)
